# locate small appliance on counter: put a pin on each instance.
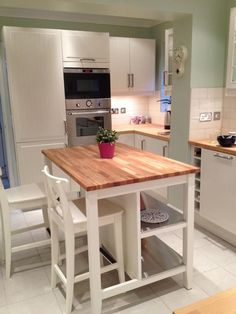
(167, 118)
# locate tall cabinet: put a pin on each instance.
(36, 90)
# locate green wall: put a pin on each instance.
(139, 32)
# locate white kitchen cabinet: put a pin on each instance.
(132, 64)
(127, 139)
(218, 182)
(167, 75)
(85, 49)
(231, 62)
(151, 144)
(31, 160)
(36, 86)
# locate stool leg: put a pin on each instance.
(70, 270)
(119, 247)
(45, 216)
(54, 252)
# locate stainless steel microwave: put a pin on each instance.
(84, 83)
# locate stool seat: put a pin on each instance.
(26, 198)
(26, 193)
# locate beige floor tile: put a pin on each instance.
(25, 285)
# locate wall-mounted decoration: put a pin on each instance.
(180, 55)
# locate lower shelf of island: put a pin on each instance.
(159, 259)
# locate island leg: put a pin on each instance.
(93, 252)
(188, 232)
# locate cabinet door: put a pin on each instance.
(127, 139)
(218, 182)
(85, 47)
(152, 145)
(119, 64)
(167, 75)
(142, 64)
(31, 161)
(35, 74)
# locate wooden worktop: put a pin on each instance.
(129, 165)
(214, 145)
(151, 130)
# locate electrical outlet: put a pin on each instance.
(205, 116)
(114, 110)
(216, 115)
(123, 110)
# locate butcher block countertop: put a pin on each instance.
(129, 165)
(151, 130)
(214, 145)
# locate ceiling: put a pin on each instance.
(112, 12)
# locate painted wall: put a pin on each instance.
(124, 31)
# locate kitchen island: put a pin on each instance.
(121, 179)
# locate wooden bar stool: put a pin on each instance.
(70, 217)
(27, 198)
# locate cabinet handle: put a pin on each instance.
(132, 80)
(164, 150)
(223, 157)
(128, 79)
(165, 78)
(87, 59)
(142, 144)
(65, 127)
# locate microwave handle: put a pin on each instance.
(87, 112)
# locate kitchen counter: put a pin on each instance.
(151, 130)
(214, 145)
(129, 165)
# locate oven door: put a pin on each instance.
(82, 126)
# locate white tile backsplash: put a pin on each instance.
(229, 115)
(205, 100)
(135, 106)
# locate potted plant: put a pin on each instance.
(106, 142)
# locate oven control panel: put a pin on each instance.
(81, 104)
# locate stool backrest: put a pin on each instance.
(56, 196)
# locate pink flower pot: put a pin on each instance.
(106, 150)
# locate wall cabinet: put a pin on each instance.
(85, 49)
(35, 77)
(231, 62)
(132, 65)
(167, 75)
(218, 182)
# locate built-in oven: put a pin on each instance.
(82, 125)
(88, 104)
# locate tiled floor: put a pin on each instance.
(29, 292)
